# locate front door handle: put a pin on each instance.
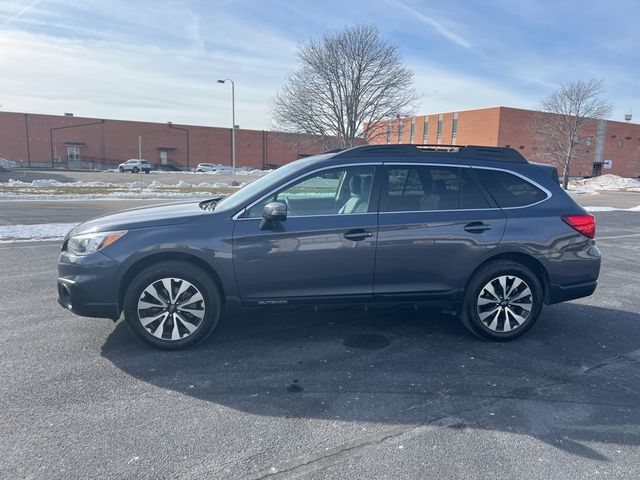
(357, 235)
(477, 227)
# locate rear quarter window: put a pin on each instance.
(509, 190)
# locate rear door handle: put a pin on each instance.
(357, 234)
(477, 227)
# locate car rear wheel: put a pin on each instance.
(121, 170)
(172, 305)
(502, 301)
(135, 170)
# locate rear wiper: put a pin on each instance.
(210, 204)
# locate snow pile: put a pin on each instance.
(50, 183)
(219, 170)
(23, 233)
(612, 209)
(604, 183)
(137, 185)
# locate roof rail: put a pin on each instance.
(477, 152)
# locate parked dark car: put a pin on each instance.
(475, 230)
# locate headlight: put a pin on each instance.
(92, 242)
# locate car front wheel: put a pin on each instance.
(172, 305)
(502, 301)
(121, 170)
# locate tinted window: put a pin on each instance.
(418, 188)
(336, 191)
(509, 190)
(471, 196)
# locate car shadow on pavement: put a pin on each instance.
(571, 380)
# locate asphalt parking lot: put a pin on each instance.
(381, 394)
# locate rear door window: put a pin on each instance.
(509, 190)
(421, 188)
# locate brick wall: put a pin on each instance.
(502, 126)
(110, 142)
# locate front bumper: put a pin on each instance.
(88, 286)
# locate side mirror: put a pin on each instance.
(273, 212)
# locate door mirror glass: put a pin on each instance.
(275, 211)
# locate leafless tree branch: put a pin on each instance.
(575, 107)
(347, 83)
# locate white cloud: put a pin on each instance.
(151, 78)
(438, 25)
(19, 13)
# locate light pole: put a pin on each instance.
(233, 129)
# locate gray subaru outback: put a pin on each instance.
(479, 231)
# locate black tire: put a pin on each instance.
(135, 170)
(180, 271)
(476, 295)
(121, 170)
(147, 171)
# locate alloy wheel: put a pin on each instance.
(171, 308)
(505, 303)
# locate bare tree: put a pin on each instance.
(576, 107)
(347, 83)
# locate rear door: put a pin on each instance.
(434, 222)
(325, 248)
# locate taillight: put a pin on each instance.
(585, 224)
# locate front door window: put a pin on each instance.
(338, 191)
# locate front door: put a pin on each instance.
(325, 248)
(434, 223)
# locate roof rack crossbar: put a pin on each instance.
(479, 152)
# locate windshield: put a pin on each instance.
(240, 198)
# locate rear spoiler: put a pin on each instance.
(550, 169)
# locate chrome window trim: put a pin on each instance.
(444, 210)
(279, 187)
(426, 163)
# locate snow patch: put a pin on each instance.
(43, 231)
(607, 182)
(612, 209)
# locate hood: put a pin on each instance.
(143, 217)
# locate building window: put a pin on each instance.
(620, 143)
(163, 157)
(73, 153)
(439, 131)
(400, 129)
(454, 129)
(412, 134)
(389, 132)
(425, 132)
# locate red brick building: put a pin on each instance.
(80, 142)
(611, 146)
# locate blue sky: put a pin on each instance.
(159, 60)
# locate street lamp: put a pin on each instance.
(233, 129)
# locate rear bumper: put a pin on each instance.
(563, 293)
